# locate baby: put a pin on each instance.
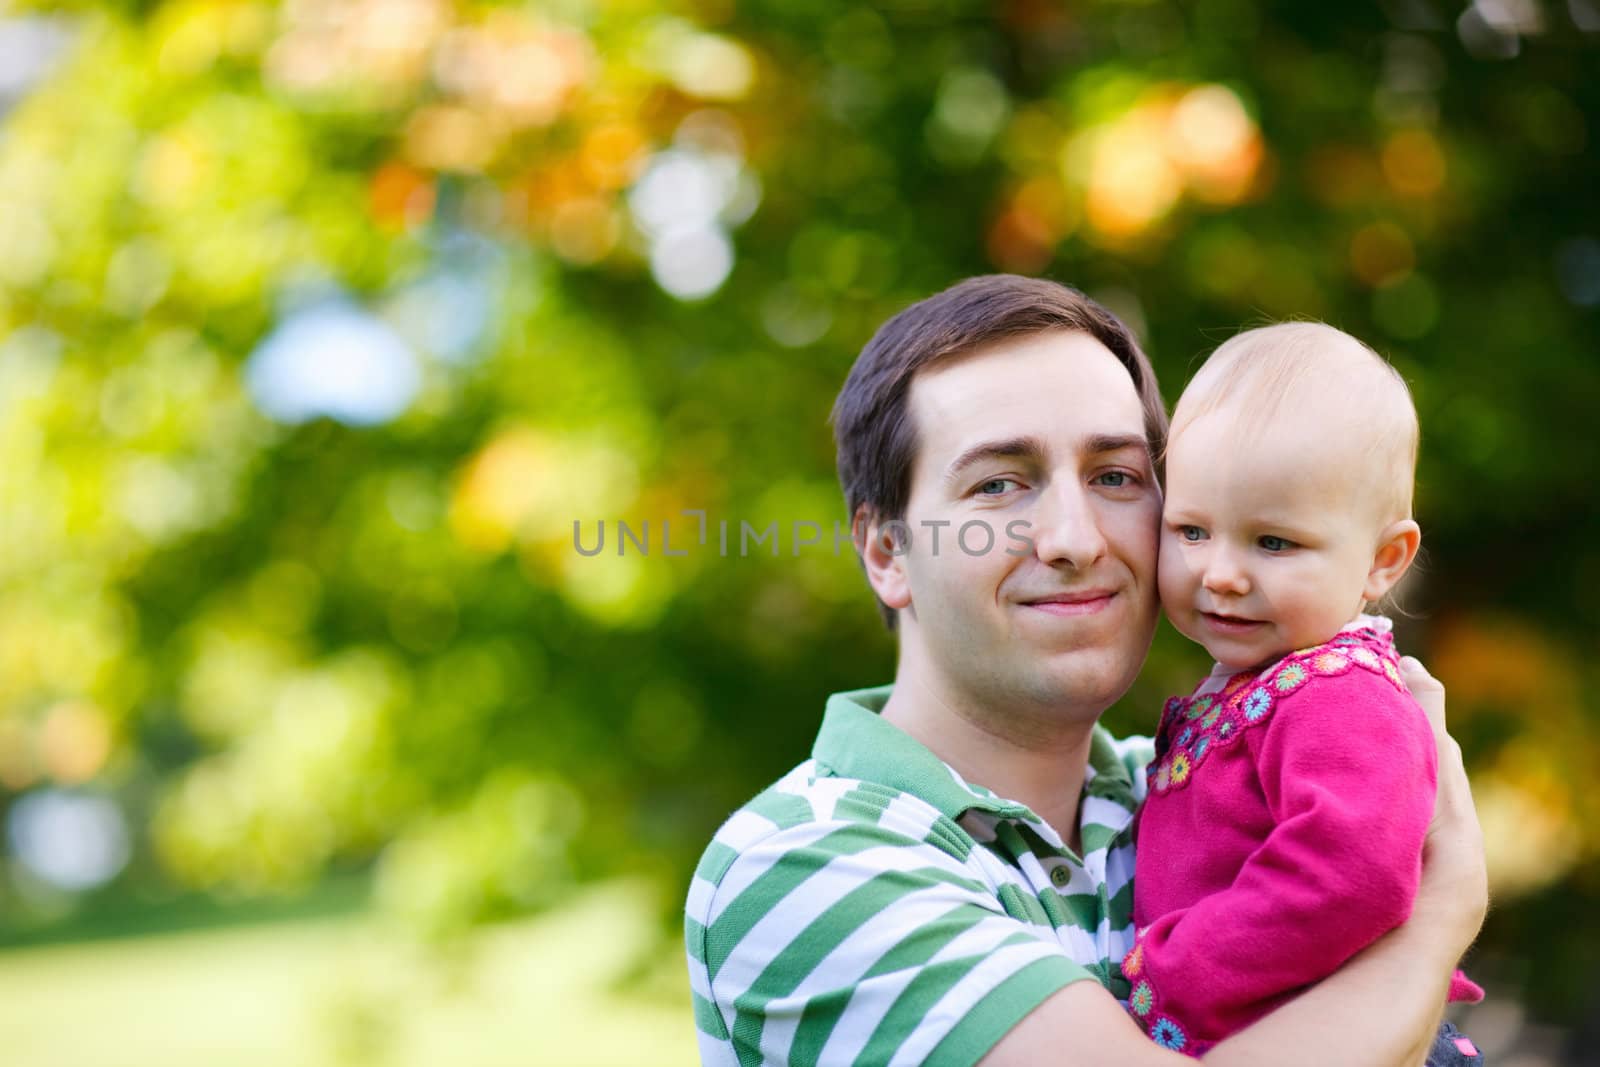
(1290, 793)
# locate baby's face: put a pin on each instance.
(1266, 540)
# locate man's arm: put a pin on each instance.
(1381, 1008)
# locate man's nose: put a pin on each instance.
(1069, 529)
(1223, 574)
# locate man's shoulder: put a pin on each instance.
(783, 804)
(816, 814)
(811, 920)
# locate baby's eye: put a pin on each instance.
(1275, 544)
(1191, 533)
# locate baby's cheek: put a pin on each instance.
(1172, 575)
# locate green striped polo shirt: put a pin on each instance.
(871, 907)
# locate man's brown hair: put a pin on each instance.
(873, 431)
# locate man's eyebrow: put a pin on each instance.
(1027, 447)
(1111, 442)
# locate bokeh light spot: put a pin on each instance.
(691, 262)
(1578, 270)
(70, 840)
(1381, 253)
(1414, 163)
(333, 359)
(1406, 309)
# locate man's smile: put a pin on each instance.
(1079, 602)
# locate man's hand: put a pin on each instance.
(1455, 883)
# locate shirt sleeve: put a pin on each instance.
(1347, 768)
(845, 942)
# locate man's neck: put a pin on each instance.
(1035, 761)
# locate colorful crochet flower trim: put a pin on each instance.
(1145, 1006)
(1142, 1000)
(1193, 727)
(1168, 1034)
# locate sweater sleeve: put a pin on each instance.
(1347, 769)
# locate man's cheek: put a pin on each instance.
(1140, 537)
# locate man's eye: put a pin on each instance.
(1191, 533)
(995, 486)
(1275, 544)
(1114, 479)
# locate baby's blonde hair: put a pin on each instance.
(1292, 365)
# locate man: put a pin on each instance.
(933, 884)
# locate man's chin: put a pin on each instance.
(1086, 680)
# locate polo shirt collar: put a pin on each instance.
(855, 742)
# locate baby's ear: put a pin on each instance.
(1397, 547)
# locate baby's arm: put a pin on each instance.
(1347, 768)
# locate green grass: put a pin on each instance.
(351, 990)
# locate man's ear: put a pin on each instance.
(1397, 547)
(882, 547)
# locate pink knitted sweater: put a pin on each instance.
(1282, 834)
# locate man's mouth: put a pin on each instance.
(1080, 602)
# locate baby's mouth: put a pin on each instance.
(1230, 624)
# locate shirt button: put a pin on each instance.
(1060, 875)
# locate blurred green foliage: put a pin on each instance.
(287, 648)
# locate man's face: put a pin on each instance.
(1040, 440)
